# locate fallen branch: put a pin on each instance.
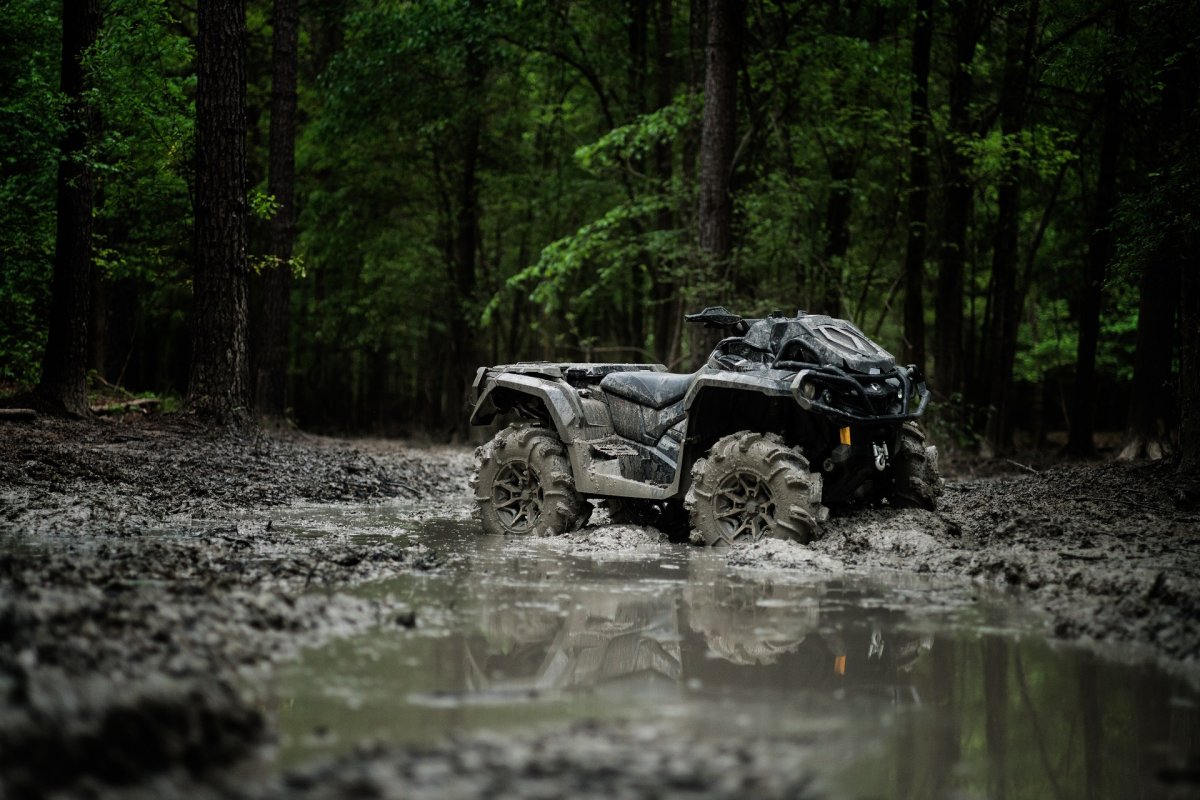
(1025, 467)
(126, 405)
(18, 413)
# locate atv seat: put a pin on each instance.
(655, 390)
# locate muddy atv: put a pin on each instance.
(789, 417)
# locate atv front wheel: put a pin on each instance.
(523, 485)
(751, 486)
(917, 482)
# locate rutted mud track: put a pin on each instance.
(130, 646)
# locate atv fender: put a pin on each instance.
(557, 397)
(759, 382)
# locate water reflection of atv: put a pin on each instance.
(606, 639)
(790, 415)
(784, 627)
(636, 643)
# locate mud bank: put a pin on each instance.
(1101, 547)
(145, 596)
(121, 476)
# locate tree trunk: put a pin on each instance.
(663, 288)
(717, 140)
(1146, 435)
(271, 381)
(1189, 375)
(918, 196)
(1020, 28)
(219, 377)
(62, 388)
(466, 239)
(837, 231)
(948, 322)
(1100, 247)
(717, 137)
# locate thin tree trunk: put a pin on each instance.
(220, 373)
(717, 142)
(1146, 433)
(1020, 28)
(718, 134)
(1189, 376)
(918, 197)
(271, 382)
(466, 237)
(663, 288)
(837, 231)
(62, 388)
(948, 322)
(1100, 247)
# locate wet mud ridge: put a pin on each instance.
(146, 597)
(1107, 549)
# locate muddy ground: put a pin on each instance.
(156, 596)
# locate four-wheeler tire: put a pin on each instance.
(917, 482)
(523, 484)
(752, 486)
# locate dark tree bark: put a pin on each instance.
(1146, 434)
(466, 238)
(272, 356)
(717, 141)
(948, 331)
(1189, 375)
(1020, 28)
(62, 388)
(664, 291)
(918, 192)
(218, 388)
(1100, 249)
(837, 231)
(717, 137)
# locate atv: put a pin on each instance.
(789, 417)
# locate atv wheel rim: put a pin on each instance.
(517, 496)
(744, 507)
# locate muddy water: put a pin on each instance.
(899, 687)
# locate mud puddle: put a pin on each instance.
(888, 685)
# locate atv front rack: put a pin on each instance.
(814, 385)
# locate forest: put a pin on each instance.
(253, 254)
(334, 212)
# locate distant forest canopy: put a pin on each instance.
(1005, 193)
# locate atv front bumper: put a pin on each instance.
(864, 399)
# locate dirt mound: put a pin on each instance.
(123, 475)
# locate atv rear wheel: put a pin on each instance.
(751, 486)
(523, 485)
(917, 483)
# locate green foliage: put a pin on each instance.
(583, 206)
(30, 108)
